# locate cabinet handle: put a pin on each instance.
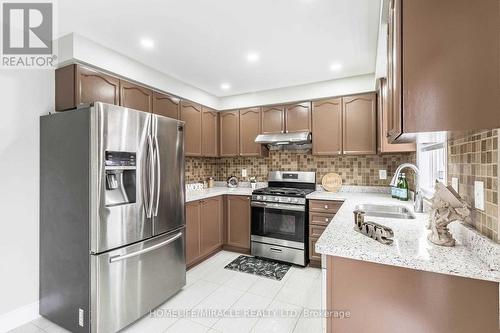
(326, 219)
(326, 206)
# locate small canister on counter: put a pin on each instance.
(359, 218)
(211, 182)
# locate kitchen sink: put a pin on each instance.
(394, 212)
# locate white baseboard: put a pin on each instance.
(18, 317)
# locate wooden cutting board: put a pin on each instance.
(332, 182)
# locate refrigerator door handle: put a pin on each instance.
(157, 175)
(146, 250)
(149, 201)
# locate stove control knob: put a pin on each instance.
(264, 198)
(289, 199)
(295, 200)
(259, 197)
(276, 199)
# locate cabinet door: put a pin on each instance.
(394, 101)
(76, 85)
(360, 124)
(191, 114)
(229, 133)
(250, 127)
(273, 119)
(209, 132)
(298, 117)
(166, 105)
(327, 127)
(97, 87)
(238, 221)
(192, 231)
(211, 225)
(135, 97)
(383, 123)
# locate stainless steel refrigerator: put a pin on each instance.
(112, 227)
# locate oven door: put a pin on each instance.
(278, 222)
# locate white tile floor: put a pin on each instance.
(210, 286)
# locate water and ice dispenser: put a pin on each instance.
(121, 170)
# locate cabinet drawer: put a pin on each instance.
(321, 219)
(316, 230)
(312, 253)
(324, 206)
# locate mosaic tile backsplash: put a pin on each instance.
(355, 170)
(471, 158)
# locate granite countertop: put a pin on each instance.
(216, 191)
(410, 249)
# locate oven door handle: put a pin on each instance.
(296, 208)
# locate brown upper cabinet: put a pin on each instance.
(166, 105)
(298, 117)
(327, 127)
(136, 97)
(443, 68)
(250, 127)
(286, 119)
(230, 133)
(209, 132)
(359, 124)
(76, 85)
(191, 114)
(273, 119)
(384, 146)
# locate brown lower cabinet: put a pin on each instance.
(406, 300)
(204, 229)
(238, 223)
(216, 222)
(321, 212)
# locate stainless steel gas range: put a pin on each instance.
(280, 217)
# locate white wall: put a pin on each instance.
(25, 95)
(76, 48)
(350, 85)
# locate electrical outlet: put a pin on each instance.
(454, 183)
(80, 317)
(244, 173)
(479, 195)
(382, 174)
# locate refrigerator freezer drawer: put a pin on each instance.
(131, 281)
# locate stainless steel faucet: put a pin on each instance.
(418, 199)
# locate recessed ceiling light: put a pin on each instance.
(147, 43)
(253, 57)
(335, 66)
(225, 86)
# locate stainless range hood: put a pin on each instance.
(299, 140)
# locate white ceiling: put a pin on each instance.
(205, 43)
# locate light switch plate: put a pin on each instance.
(454, 183)
(244, 173)
(382, 174)
(479, 195)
